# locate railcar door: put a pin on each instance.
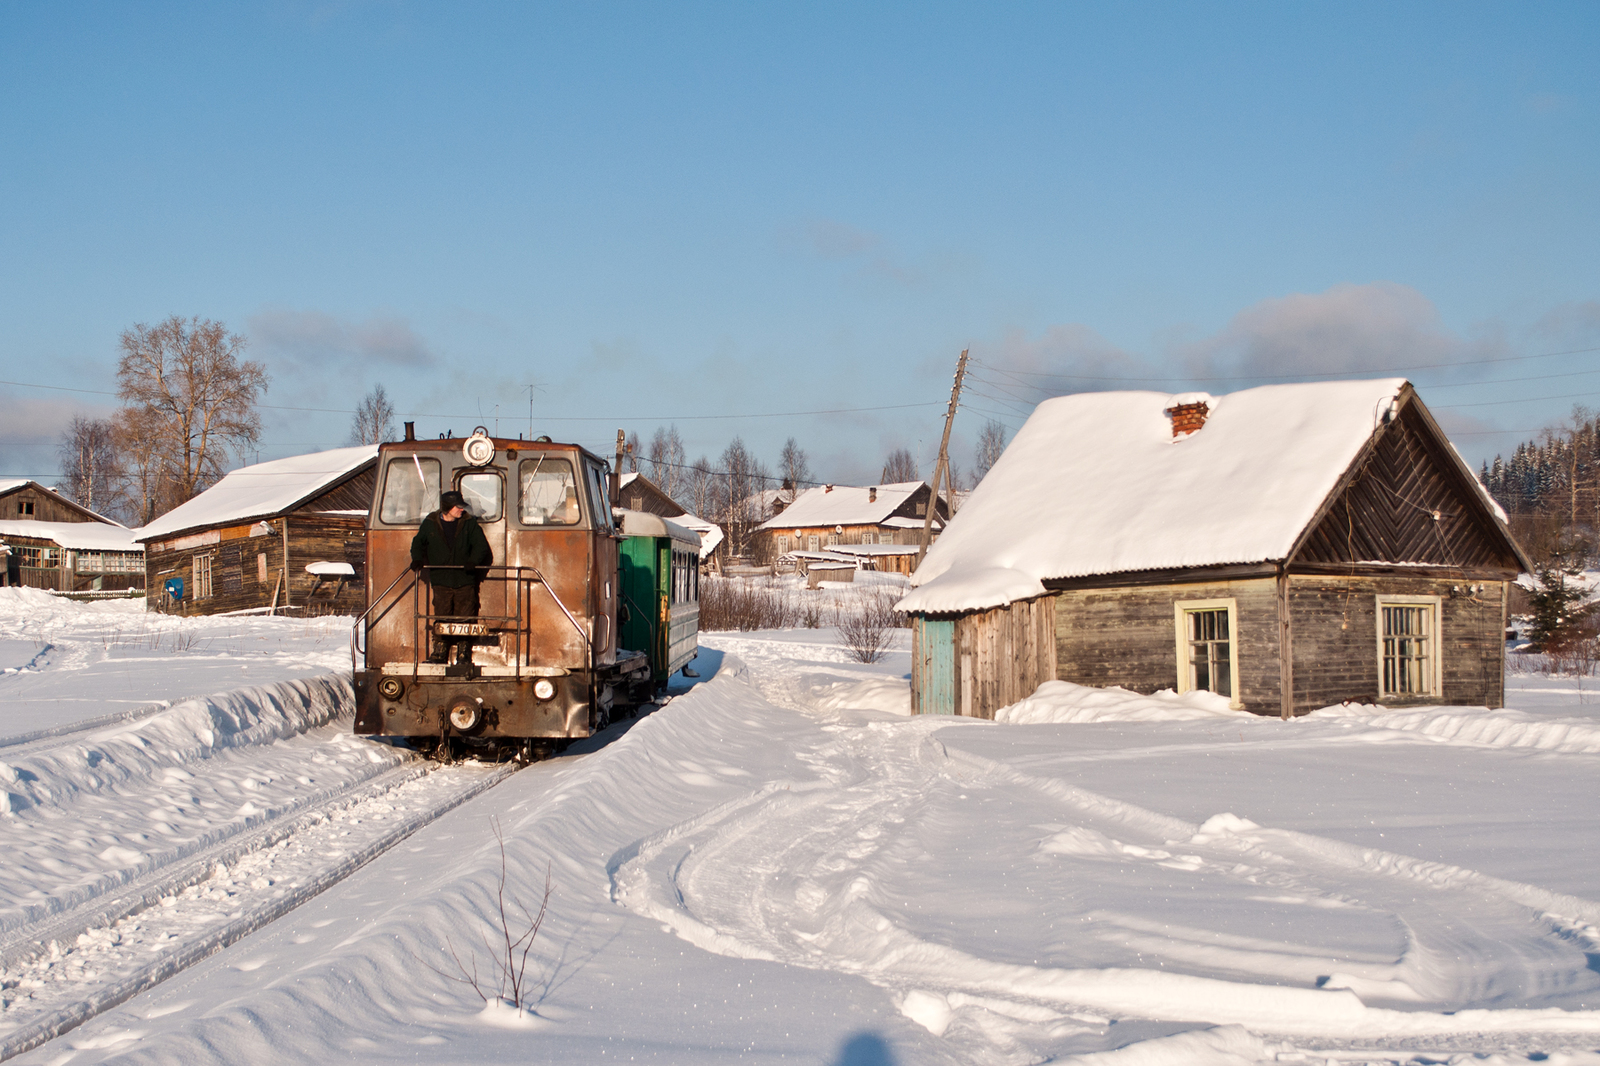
(484, 489)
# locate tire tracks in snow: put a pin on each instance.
(786, 874)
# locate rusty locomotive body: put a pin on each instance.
(543, 662)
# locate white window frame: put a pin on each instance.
(1180, 618)
(200, 574)
(1435, 639)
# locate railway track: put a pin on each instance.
(185, 868)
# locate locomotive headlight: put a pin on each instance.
(479, 449)
(544, 688)
(465, 715)
(391, 688)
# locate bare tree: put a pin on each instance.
(744, 479)
(702, 488)
(184, 387)
(795, 470)
(374, 421)
(664, 461)
(900, 466)
(91, 470)
(991, 442)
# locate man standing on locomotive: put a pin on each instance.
(452, 545)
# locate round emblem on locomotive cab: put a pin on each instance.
(478, 449)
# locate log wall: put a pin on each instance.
(1127, 636)
(246, 570)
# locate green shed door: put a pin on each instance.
(934, 645)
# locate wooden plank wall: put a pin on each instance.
(46, 508)
(1003, 655)
(1335, 623)
(1128, 637)
(237, 583)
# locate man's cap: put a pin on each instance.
(451, 499)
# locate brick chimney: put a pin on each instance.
(872, 494)
(1188, 417)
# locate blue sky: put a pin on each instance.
(663, 213)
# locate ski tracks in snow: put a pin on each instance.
(138, 847)
(815, 875)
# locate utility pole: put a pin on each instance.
(942, 466)
(616, 471)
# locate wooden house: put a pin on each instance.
(1287, 547)
(286, 535)
(829, 515)
(49, 542)
(636, 492)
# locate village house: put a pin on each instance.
(286, 535)
(1286, 547)
(845, 515)
(49, 542)
(636, 492)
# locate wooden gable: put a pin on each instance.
(354, 493)
(1407, 499)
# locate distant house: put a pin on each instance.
(22, 500)
(284, 535)
(1287, 547)
(639, 493)
(829, 515)
(49, 542)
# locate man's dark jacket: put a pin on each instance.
(430, 547)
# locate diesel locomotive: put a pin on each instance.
(584, 611)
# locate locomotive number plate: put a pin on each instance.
(461, 629)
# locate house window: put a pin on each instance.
(812, 542)
(202, 577)
(1207, 647)
(25, 507)
(1408, 647)
(783, 545)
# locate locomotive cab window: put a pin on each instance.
(597, 497)
(410, 490)
(549, 495)
(482, 493)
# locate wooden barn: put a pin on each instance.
(1287, 547)
(829, 515)
(287, 535)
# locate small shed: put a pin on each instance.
(285, 535)
(1287, 547)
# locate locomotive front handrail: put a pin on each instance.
(512, 575)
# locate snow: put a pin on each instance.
(782, 864)
(260, 490)
(843, 505)
(327, 569)
(1095, 483)
(79, 536)
(986, 586)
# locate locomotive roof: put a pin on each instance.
(501, 444)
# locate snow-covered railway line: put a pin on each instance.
(130, 855)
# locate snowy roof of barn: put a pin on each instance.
(1095, 483)
(843, 505)
(79, 536)
(262, 490)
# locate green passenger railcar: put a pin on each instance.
(659, 573)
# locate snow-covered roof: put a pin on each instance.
(7, 484)
(645, 524)
(710, 532)
(79, 536)
(261, 490)
(843, 505)
(875, 549)
(1095, 483)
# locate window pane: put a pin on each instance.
(549, 496)
(482, 493)
(598, 501)
(1210, 653)
(1407, 668)
(410, 491)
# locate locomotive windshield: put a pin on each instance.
(482, 493)
(549, 494)
(410, 490)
